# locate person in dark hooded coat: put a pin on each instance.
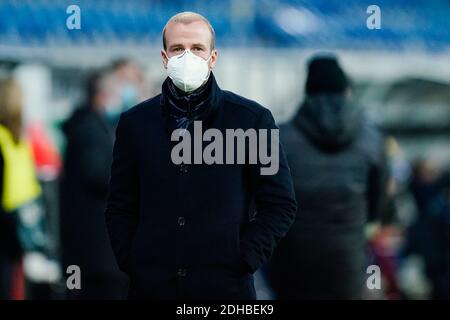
(339, 172)
(83, 190)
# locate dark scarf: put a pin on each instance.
(182, 108)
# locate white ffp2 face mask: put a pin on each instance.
(188, 71)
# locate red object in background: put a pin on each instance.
(46, 155)
(385, 249)
(18, 282)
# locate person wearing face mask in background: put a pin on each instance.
(83, 188)
(129, 86)
(192, 231)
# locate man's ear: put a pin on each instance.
(164, 58)
(213, 60)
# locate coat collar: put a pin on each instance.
(181, 110)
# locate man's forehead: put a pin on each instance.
(196, 31)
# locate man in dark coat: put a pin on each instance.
(193, 230)
(339, 173)
(84, 186)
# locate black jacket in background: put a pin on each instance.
(10, 247)
(339, 172)
(84, 184)
(185, 231)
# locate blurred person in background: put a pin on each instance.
(429, 235)
(83, 190)
(192, 231)
(130, 81)
(339, 171)
(18, 188)
(127, 86)
(387, 238)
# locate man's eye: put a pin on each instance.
(177, 49)
(198, 49)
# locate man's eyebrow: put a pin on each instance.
(176, 45)
(199, 45)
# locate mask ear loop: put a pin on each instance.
(167, 57)
(209, 68)
(210, 56)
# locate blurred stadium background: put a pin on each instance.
(270, 40)
(401, 73)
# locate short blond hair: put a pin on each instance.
(186, 18)
(11, 107)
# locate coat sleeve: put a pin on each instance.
(377, 196)
(122, 212)
(275, 206)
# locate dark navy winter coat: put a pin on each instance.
(193, 231)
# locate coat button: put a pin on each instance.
(183, 168)
(181, 221)
(181, 272)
